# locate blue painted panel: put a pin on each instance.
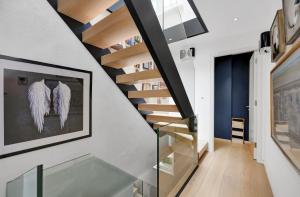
(223, 81)
(240, 88)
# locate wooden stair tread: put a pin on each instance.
(138, 76)
(127, 57)
(157, 107)
(111, 30)
(176, 128)
(149, 93)
(164, 118)
(82, 10)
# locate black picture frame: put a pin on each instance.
(4, 57)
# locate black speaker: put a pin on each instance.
(192, 50)
(264, 40)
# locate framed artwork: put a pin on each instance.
(146, 66)
(162, 85)
(285, 107)
(155, 87)
(277, 36)
(137, 39)
(146, 86)
(42, 105)
(291, 9)
(137, 68)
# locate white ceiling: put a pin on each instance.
(255, 16)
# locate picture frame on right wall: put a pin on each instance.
(277, 36)
(291, 9)
(285, 106)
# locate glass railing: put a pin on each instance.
(89, 176)
(86, 176)
(26, 185)
(177, 155)
(171, 15)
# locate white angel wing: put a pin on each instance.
(39, 102)
(61, 101)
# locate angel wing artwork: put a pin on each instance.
(61, 101)
(39, 102)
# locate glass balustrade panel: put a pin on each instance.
(26, 185)
(177, 155)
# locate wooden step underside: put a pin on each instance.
(182, 148)
(133, 78)
(175, 128)
(127, 57)
(164, 118)
(157, 107)
(165, 152)
(149, 93)
(112, 30)
(181, 138)
(82, 10)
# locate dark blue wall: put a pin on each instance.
(240, 88)
(231, 92)
(223, 81)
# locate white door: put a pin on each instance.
(252, 134)
(257, 125)
(260, 91)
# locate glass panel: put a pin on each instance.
(89, 176)
(177, 155)
(172, 14)
(26, 185)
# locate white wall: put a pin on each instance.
(186, 70)
(32, 30)
(284, 179)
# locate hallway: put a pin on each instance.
(229, 172)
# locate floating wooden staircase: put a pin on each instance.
(102, 38)
(110, 31)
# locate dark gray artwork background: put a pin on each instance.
(18, 122)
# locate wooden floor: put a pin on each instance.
(229, 172)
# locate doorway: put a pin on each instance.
(231, 93)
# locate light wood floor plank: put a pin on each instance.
(229, 172)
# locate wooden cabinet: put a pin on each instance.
(238, 130)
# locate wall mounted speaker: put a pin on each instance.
(264, 42)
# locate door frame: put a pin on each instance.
(212, 93)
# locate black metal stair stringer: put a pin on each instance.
(147, 22)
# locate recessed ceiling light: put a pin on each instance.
(235, 19)
(170, 39)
